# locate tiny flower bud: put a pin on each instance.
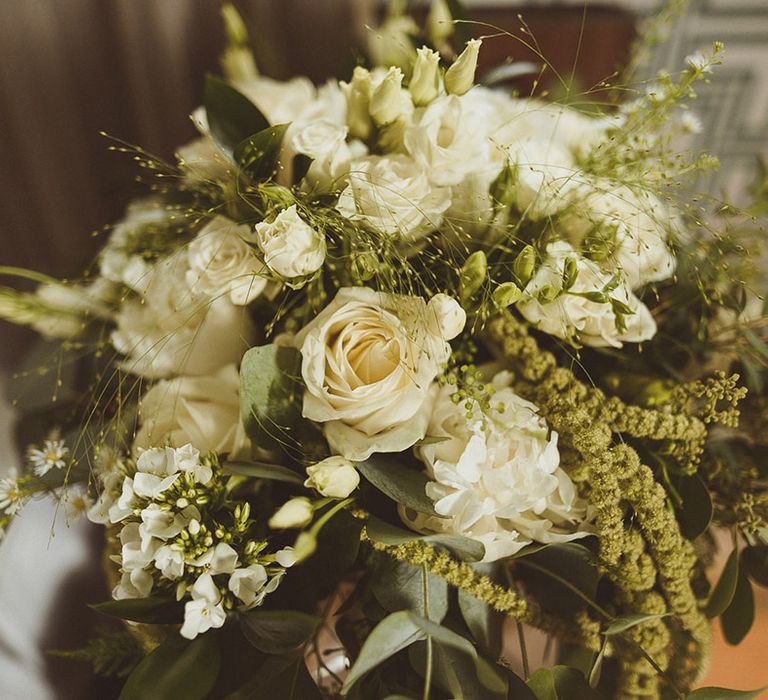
(461, 75)
(506, 294)
(304, 547)
(425, 82)
(524, 264)
(439, 22)
(472, 274)
(358, 103)
(387, 99)
(334, 477)
(294, 513)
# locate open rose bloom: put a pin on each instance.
(391, 359)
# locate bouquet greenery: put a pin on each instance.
(382, 377)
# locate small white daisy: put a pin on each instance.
(51, 455)
(700, 61)
(11, 499)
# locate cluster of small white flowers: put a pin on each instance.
(172, 539)
(496, 476)
(12, 499)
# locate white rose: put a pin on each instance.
(368, 361)
(203, 411)
(291, 247)
(448, 139)
(632, 227)
(496, 476)
(393, 195)
(334, 477)
(325, 143)
(294, 513)
(221, 263)
(171, 330)
(571, 316)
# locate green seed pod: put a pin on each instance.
(506, 294)
(524, 264)
(472, 274)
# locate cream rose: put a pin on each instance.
(221, 263)
(291, 247)
(368, 361)
(393, 194)
(202, 411)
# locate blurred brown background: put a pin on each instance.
(133, 68)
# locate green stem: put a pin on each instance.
(428, 669)
(27, 274)
(523, 649)
(329, 514)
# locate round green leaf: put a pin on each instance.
(404, 484)
(724, 694)
(278, 631)
(695, 511)
(176, 669)
(158, 611)
(232, 117)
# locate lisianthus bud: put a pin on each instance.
(506, 294)
(334, 477)
(524, 264)
(439, 22)
(387, 99)
(473, 273)
(447, 318)
(294, 513)
(304, 546)
(461, 75)
(425, 82)
(358, 103)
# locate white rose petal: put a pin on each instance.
(334, 477)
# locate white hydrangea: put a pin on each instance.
(393, 195)
(496, 476)
(571, 316)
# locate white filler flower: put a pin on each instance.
(496, 475)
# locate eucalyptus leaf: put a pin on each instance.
(176, 669)
(563, 577)
(398, 585)
(722, 595)
(622, 624)
(738, 618)
(463, 548)
(695, 512)
(258, 154)
(270, 395)
(153, 610)
(232, 117)
(285, 677)
(724, 694)
(403, 484)
(755, 560)
(401, 629)
(561, 683)
(278, 631)
(263, 470)
(484, 622)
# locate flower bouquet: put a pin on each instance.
(382, 377)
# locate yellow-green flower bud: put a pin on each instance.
(472, 274)
(387, 98)
(461, 75)
(294, 513)
(425, 82)
(304, 547)
(524, 264)
(506, 294)
(547, 294)
(334, 477)
(358, 104)
(439, 22)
